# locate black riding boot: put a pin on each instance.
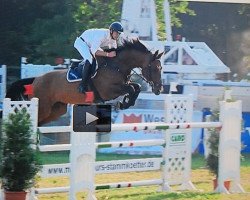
(83, 87)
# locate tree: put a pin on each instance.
(19, 161)
(36, 29)
(220, 25)
(176, 8)
(97, 14)
(51, 36)
(16, 17)
(45, 29)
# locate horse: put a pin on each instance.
(111, 81)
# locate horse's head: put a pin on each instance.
(133, 54)
(152, 72)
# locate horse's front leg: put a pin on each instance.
(131, 92)
(137, 88)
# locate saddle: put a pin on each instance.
(74, 73)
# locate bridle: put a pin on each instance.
(149, 78)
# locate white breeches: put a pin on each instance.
(83, 49)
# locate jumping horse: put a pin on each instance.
(111, 81)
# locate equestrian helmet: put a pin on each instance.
(116, 26)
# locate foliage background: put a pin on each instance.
(45, 29)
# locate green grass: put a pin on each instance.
(245, 161)
(54, 157)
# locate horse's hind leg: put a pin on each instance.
(57, 110)
(44, 110)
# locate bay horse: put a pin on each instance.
(111, 81)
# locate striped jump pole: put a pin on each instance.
(134, 143)
(129, 184)
(102, 186)
(163, 126)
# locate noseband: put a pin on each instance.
(149, 78)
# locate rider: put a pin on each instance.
(91, 43)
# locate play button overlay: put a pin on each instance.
(91, 118)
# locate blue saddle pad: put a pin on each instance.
(73, 75)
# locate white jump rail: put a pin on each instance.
(3, 76)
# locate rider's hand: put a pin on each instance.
(111, 54)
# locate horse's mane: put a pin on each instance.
(127, 46)
(133, 44)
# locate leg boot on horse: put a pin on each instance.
(86, 73)
(132, 91)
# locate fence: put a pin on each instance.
(176, 159)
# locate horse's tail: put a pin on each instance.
(16, 90)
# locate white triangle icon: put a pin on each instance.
(90, 118)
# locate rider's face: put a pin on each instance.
(115, 35)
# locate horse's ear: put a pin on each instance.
(159, 55)
(135, 40)
(155, 55)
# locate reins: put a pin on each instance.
(142, 77)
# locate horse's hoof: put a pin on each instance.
(118, 106)
(126, 106)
